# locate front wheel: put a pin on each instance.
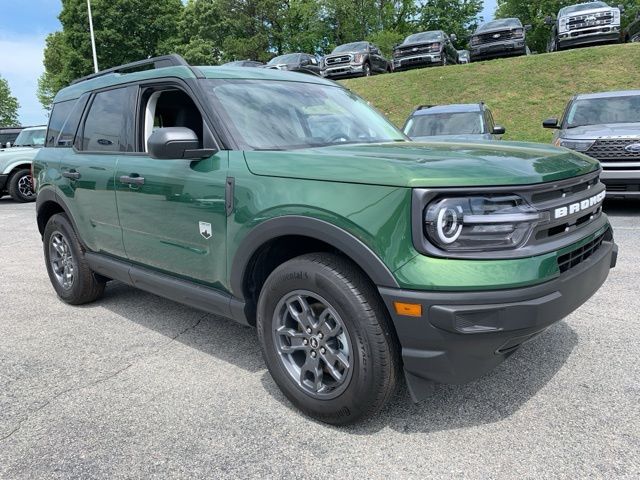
(326, 338)
(21, 187)
(366, 70)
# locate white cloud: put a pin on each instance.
(21, 65)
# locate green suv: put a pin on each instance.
(285, 202)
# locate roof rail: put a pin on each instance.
(173, 60)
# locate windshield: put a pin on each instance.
(504, 23)
(423, 37)
(469, 123)
(289, 58)
(30, 138)
(351, 47)
(597, 111)
(581, 7)
(280, 115)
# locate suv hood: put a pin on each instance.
(606, 130)
(14, 150)
(587, 12)
(427, 164)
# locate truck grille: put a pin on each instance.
(614, 150)
(416, 50)
(498, 36)
(589, 20)
(580, 254)
(337, 60)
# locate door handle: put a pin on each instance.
(72, 174)
(132, 180)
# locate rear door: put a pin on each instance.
(172, 212)
(89, 168)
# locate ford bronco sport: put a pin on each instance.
(285, 202)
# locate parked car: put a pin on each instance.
(505, 37)
(584, 24)
(605, 126)
(357, 59)
(295, 62)
(298, 208)
(244, 63)
(424, 49)
(15, 164)
(8, 136)
(463, 56)
(632, 33)
(468, 121)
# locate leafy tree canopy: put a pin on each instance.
(8, 105)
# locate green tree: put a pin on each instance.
(8, 105)
(125, 31)
(459, 17)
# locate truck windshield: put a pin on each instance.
(503, 23)
(351, 47)
(289, 58)
(597, 111)
(423, 37)
(468, 123)
(30, 138)
(581, 8)
(283, 115)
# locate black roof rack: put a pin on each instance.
(173, 60)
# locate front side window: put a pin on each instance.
(31, 138)
(597, 111)
(280, 115)
(107, 124)
(435, 124)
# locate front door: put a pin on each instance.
(172, 212)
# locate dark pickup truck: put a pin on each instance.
(505, 37)
(424, 49)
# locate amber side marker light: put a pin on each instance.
(408, 309)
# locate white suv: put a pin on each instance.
(15, 164)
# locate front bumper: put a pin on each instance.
(621, 183)
(498, 49)
(463, 335)
(343, 71)
(589, 36)
(414, 61)
(3, 182)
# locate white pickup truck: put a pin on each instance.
(15, 164)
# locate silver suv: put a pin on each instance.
(605, 126)
(585, 24)
(15, 164)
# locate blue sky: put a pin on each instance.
(24, 25)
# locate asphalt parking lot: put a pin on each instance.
(138, 386)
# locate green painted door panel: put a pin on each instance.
(92, 199)
(161, 218)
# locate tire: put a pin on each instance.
(21, 187)
(367, 70)
(347, 309)
(64, 255)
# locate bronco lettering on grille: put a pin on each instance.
(579, 206)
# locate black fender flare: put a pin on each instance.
(314, 228)
(48, 195)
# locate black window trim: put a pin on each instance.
(85, 97)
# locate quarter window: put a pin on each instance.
(59, 115)
(107, 123)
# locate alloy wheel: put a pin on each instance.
(61, 260)
(313, 344)
(25, 187)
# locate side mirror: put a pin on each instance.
(621, 8)
(173, 143)
(548, 20)
(550, 123)
(499, 130)
(528, 27)
(453, 37)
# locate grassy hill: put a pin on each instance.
(520, 91)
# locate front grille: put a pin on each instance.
(613, 150)
(497, 36)
(337, 60)
(416, 50)
(589, 20)
(579, 255)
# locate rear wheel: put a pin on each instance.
(68, 270)
(21, 186)
(326, 338)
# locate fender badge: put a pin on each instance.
(205, 230)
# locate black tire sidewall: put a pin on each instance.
(367, 70)
(304, 274)
(14, 191)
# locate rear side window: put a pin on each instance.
(108, 124)
(59, 115)
(68, 132)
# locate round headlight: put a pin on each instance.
(449, 224)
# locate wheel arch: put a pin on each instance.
(279, 239)
(16, 166)
(49, 204)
